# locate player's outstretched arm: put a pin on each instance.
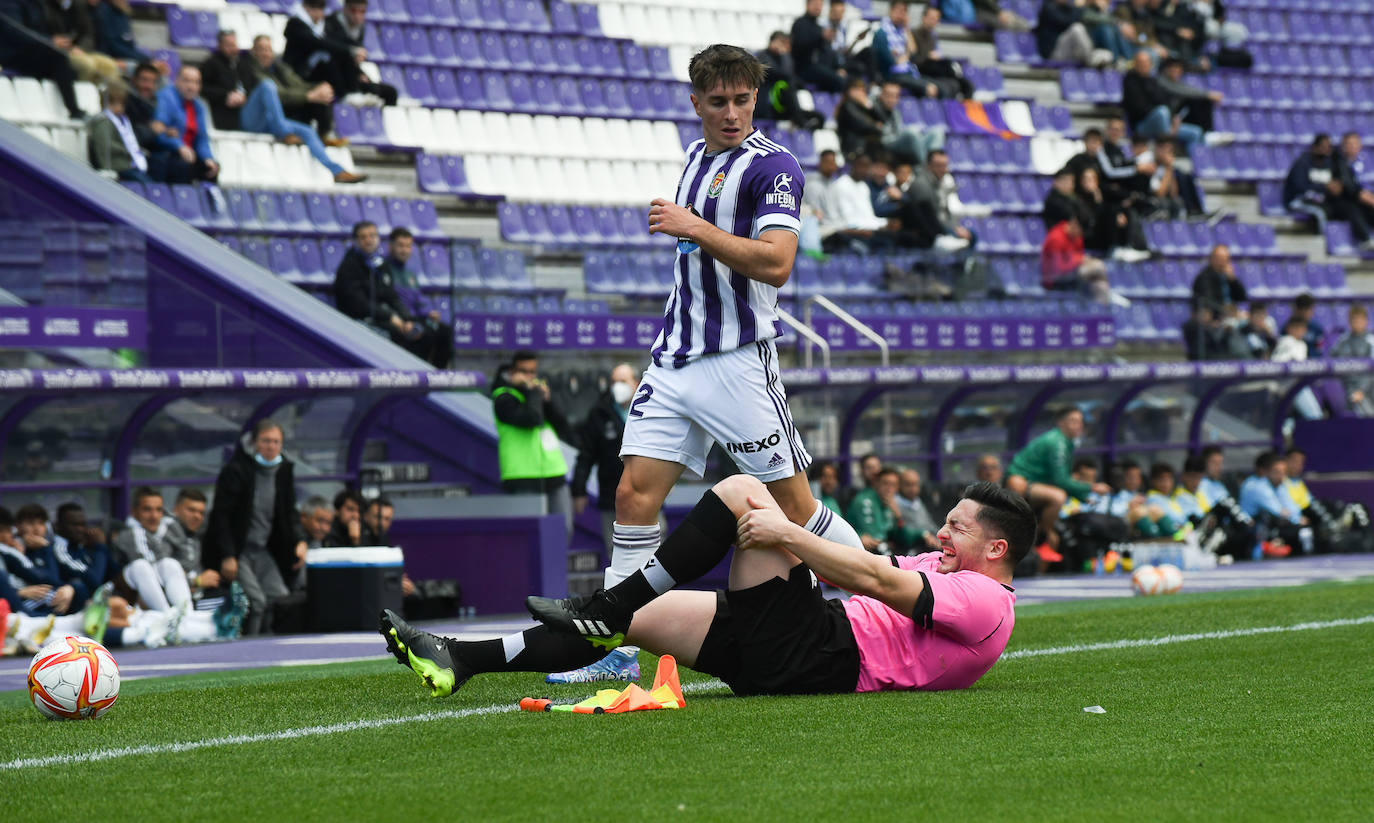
(766, 527)
(767, 259)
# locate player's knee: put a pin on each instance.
(1016, 484)
(735, 490)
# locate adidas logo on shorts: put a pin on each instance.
(776, 461)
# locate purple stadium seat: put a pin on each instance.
(442, 47)
(661, 103)
(536, 223)
(490, 14)
(632, 226)
(566, 97)
(392, 74)
(540, 53)
(421, 11)
(398, 212)
(660, 64)
(444, 87)
(348, 208)
(496, 91)
(636, 61)
(426, 220)
(370, 122)
(323, 217)
(609, 59)
(281, 259)
(429, 172)
(588, 20)
(688, 132)
(522, 93)
(160, 195)
(469, 14)
(346, 121)
(294, 215)
(512, 222)
(444, 12)
(256, 251)
(525, 15)
(242, 210)
(467, 47)
(374, 209)
(438, 262)
(585, 226)
(418, 45)
(215, 210)
(544, 94)
(231, 243)
(606, 227)
(1073, 85)
(186, 205)
(561, 226)
(269, 211)
(617, 101)
(392, 40)
(417, 85)
(494, 50)
(465, 273)
(389, 11)
(182, 28)
(517, 49)
(207, 22)
(562, 17)
(471, 94)
(311, 263)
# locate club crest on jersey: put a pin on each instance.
(781, 195)
(717, 184)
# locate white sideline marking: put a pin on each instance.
(502, 708)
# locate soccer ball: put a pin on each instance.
(1171, 578)
(73, 678)
(1147, 580)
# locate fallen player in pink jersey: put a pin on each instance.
(936, 621)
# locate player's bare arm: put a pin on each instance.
(855, 570)
(767, 259)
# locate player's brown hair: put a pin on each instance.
(722, 64)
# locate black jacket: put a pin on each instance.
(1141, 95)
(140, 114)
(233, 510)
(301, 43)
(858, 126)
(599, 439)
(23, 26)
(532, 412)
(1060, 207)
(1215, 290)
(73, 21)
(809, 46)
(1055, 19)
(363, 289)
(1308, 176)
(337, 536)
(219, 78)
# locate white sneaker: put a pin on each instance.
(161, 628)
(1118, 299)
(1128, 255)
(1218, 138)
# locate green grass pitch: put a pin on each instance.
(1245, 726)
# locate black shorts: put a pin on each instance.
(781, 637)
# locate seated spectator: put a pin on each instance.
(1182, 32)
(1314, 187)
(1126, 173)
(893, 49)
(929, 206)
(1064, 266)
(1108, 33)
(1061, 203)
(146, 557)
(1293, 348)
(1305, 309)
(364, 289)
(82, 557)
(777, 97)
(877, 518)
(1279, 520)
(813, 46)
(947, 75)
(1217, 285)
(31, 569)
(1209, 334)
(1062, 36)
(1151, 110)
(1351, 165)
(112, 143)
(986, 13)
(1160, 498)
(860, 229)
(220, 83)
(990, 469)
(69, 25)
(825, 479)
(1232, 35)
(857, 123)
(300, 101)
(1336, 526)
(1040, 472)
(183, 533)
(1136, 20)
(869, 466)
(818, 201)
(1223, 528)
(331, 49)
(1087, 528)
(140, 104)
(184, 137)
(1175, 193)
(907, 143)
(883, 188)
(348, 528)
(434, 343)
(1357, 343)
(30, 49)
(114, 35)
(378, 515)
(914, 514)
(1196, 104)
(316, 519)
(1259, 331)
(1108, 227)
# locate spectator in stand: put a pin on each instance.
(1279, 519)
(81, 554)
(1137, 24)
(1040, 472)
(1176, 194)
(987, 13)
(1182, 32)
(27, 47)
(818, 199)
(300, 101)
(825, 478)
(893, 49)
(1125, 173)
(1109, 228)
(528, 427)
(907, 143)
(183, 133)
(182, 531)
(149, 564)
(1061, 203)
(1210, 334)
(1152, 111)
(857, 123)
(1062, 36)
(221, 85)
(1064, 266)
(436, 340)
(1357, 343)
(777, 97)
(1217, 285)
(990, 469)
(914, 514)
(255, 534)
(69, 24)
(1305, 309)
(1195, 104)
(1351, 164)
(316, 518)
(1259, 332)
(114, 34)
(886, 193)
(1232, 35)
(111, 142)
(876, 516)
(364, 289)
(1107, 32)
(378, 515)
(929, 207)
(331, 50)
(140, 104)
(1292, 348)
(600, 437)
(1313, 187)
(861, 230)
(36, 576)
(817, 60)
(869, 466)
(947, 75)
(348, 530)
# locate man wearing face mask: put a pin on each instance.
(255, 535)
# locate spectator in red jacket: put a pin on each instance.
(1064, 266)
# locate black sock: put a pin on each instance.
(541, 650)
(690, 551)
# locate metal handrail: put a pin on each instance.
(846, 318)
(810, 334)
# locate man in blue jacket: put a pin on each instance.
(184, 139)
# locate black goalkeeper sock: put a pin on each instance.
(539, 649)
(690, 551)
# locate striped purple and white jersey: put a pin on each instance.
(754, 188)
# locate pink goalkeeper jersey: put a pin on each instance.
(965, 625)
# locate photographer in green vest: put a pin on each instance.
(528, 429)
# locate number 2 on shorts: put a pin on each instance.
(645, 392)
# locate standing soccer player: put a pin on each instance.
(713, 375)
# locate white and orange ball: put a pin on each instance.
(73, 678)
(1147, 580)
(1171, 578)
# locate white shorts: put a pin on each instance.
(734, 398)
